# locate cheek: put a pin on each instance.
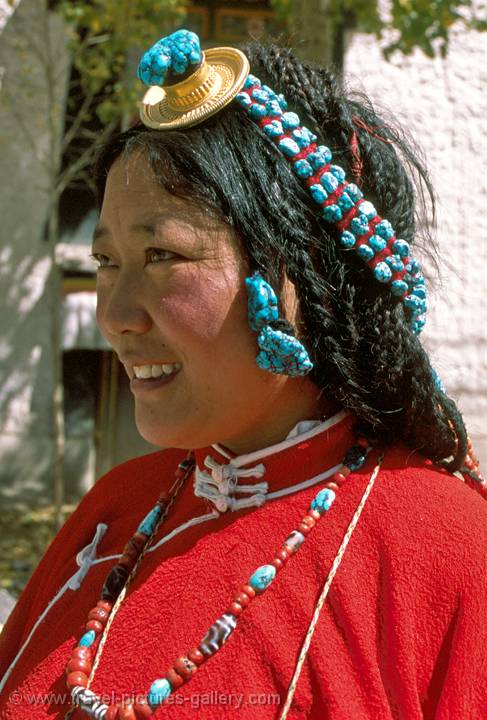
(206, 306)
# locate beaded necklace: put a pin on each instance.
(84, 661)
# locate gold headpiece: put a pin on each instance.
(214, 84)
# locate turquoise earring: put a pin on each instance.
(280, 353)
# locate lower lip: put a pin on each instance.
(138, 385)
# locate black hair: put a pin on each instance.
(357, 333)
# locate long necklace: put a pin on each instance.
(81, 667)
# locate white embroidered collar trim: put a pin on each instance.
(304, 430)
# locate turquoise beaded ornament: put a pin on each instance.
(362, 230)
(280, 353)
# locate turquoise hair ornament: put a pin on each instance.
(170, 58)
(199, 84)
(280, 353)
(187, 85)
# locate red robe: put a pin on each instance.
(402, 634)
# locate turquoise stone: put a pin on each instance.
(150, 521)
(323, 500)
(88, 639)
(159, 691)
(262, 577)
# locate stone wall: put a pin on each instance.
(443, 102)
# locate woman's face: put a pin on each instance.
(171, 292)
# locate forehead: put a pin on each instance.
(134, 198)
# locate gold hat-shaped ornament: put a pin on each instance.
(218, 79)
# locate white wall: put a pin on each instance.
(444, 104)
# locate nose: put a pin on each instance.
(121, 306)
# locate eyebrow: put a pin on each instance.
(102, 232)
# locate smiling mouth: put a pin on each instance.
(154, 372)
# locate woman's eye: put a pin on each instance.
(159, 255)
(102, 260)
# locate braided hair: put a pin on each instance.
(357, 334)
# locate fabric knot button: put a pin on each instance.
(262, 577)
(221, 504)
(159, 691)
(323, 500)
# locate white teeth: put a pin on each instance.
(154, 371)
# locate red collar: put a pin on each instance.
(253, 478)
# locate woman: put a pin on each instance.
(233, 226)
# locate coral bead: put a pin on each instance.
(248, 590)
(142, 709)
(98, 614)
(77, 678)
(363, 442)
(332, 486)
(339, 478)
(174, 678)
(126, 712)
(277, 563)
(104, 605)
(78, 665)
(94, 625)
(303, 528)
(313, 514)
(196, 656)
(83, 653)
(309, 520)
(139, 538)
(185, 667)
(235, 608)
(242, 599)
(111, 713)
(283, 555)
